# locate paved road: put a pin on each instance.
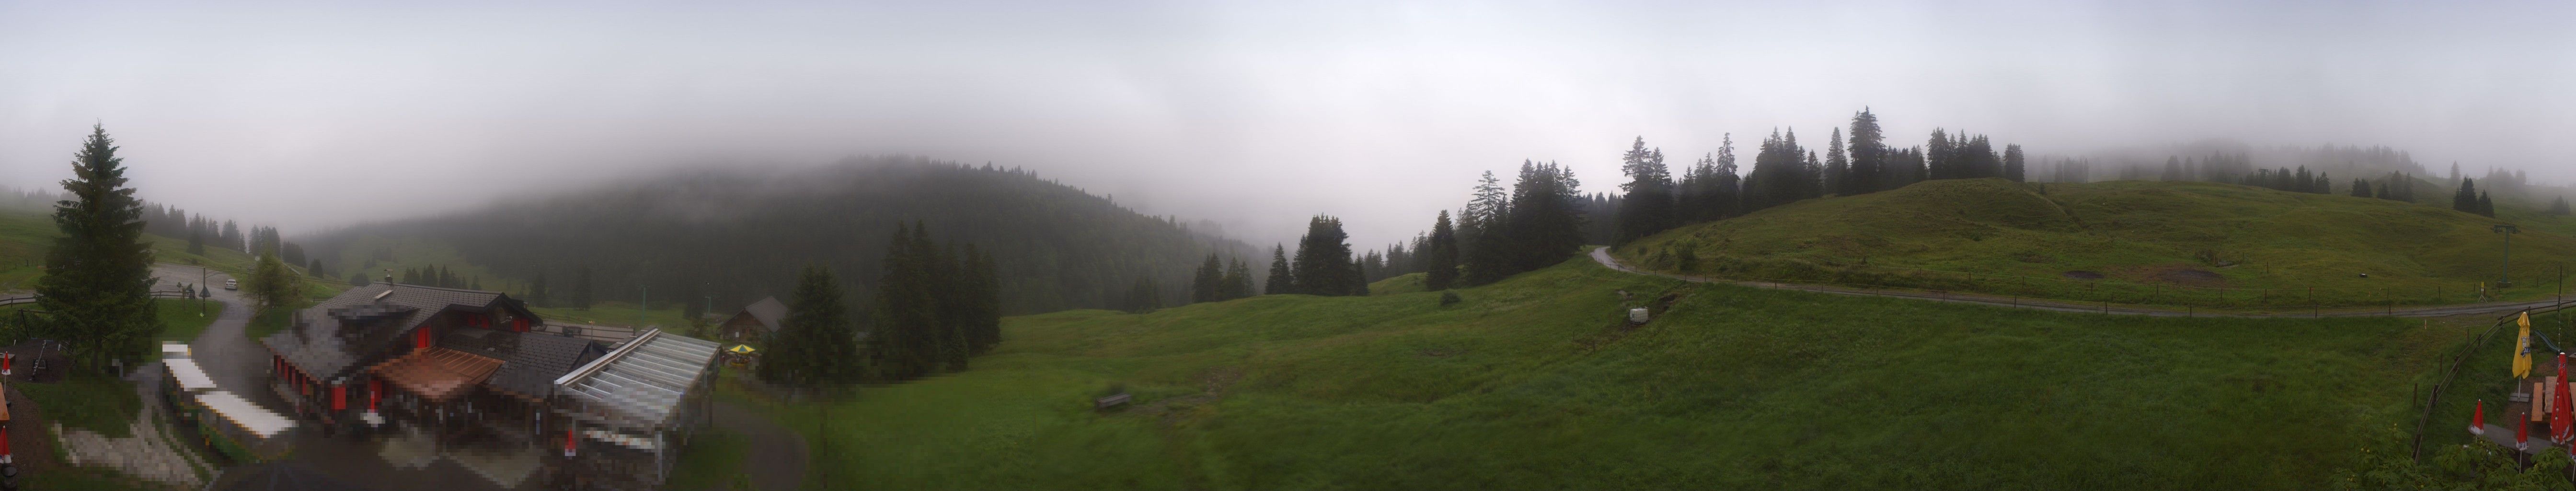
(1602, 255)
(776, 460)
(229, 356)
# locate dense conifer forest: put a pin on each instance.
(733, 236)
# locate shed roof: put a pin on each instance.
(768, 311)
(642, 383)
(258, 420)
(190, 377)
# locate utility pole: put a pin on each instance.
(647, 299)
(2505, 278)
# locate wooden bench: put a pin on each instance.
(2540, 398)
(1106, 402)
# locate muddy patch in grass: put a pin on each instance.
(2081, 275)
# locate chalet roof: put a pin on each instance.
(331, 338)
(768, 311)
(532, 366)
(643, 382)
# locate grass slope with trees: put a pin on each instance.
(1535, 382)
(2174, 243)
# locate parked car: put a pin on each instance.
(232, 284)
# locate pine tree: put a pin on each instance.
(1323, 264)
(2360, 188)
(906, 340)
(1838, 166)
(1726, 195)
(1144, 296)
(1236, 282)
(1868, 149)
(2466, 200)
(196, 241)
(97, 287)
(2558, 206)
(818, 345)
(1207, 281)
(984, 290)
(1441, 262)
(1649, 205)
(1281, 280)
(2013, 165)
(2486, 205)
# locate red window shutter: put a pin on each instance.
(422, 339)
(339, 397)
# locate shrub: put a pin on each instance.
(1448, 298)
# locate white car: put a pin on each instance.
(232, 284)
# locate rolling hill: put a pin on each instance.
(2170, 243)
(1536, 383)
(730, 236)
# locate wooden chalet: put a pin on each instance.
(462, 363)
(756, 321)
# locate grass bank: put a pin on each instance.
(1536, 383)
(2164, 243)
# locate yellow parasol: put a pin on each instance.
(745, 349)
(2522, 348)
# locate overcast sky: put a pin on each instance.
(1251, 114)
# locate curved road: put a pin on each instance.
(1602, 255)
(236, 362)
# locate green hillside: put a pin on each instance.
(1535, 383)
(25, 235)
(2171, 243)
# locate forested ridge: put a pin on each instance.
(737, 234)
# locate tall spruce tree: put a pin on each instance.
(1237, 281)
(97, 287)
(1838, 178)
(2360, 188)
(1868, 149)
(1441, 262)
(2558, 206)
(1726, 186)
(2486, 204)
(2014, 168)
(1208, 280)
(817, 343)
(1282, 280)
(1324, 259)
(2466, 200)
(906, 339)
(1649, 205)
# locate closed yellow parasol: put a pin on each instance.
(2522, 348)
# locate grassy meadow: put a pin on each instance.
(1536, 383)
(2170, 243)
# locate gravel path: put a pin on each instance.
(1602, 255)
(776, 457)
